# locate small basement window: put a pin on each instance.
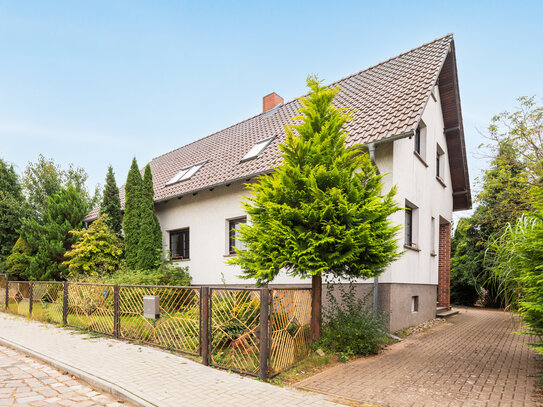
(415, 303)
(180, 244)
(185, 173)
(233, 230)
(258, 148)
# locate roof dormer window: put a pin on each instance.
(258, 148)
(185, 173)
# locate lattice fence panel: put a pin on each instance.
(235, 330)
(90, 306)
(290, 332)
(179, 324)
(47, 301)
(19, 297)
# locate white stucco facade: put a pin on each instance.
(206, 214)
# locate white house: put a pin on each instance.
(407, 113)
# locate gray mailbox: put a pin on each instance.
(151, 306)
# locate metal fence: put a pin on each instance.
(255, 331)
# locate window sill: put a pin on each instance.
(422, 160)
(441, 181)
(410, 247)
(230, 255)
(180, 259)
(433, 254)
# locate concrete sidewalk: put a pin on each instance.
(144, 375)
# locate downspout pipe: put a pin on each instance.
(371, 149)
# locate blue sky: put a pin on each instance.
(94, 83)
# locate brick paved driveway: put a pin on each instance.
(27, 382)
(474, 359)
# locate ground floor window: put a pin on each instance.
(233, 230)
(179, 244)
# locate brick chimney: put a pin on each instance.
(270, 101)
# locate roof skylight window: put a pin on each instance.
(255, 151)
(185, 174)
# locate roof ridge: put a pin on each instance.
(297, 98)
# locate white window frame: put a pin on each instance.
(257, 149)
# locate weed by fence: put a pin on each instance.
(252, 331)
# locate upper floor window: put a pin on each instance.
(440, 162)
(185, 173)
(180, 244)
(420, 140)
(233, 230)
(258, 148)
(411, 225)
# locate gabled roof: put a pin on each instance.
(385, 100)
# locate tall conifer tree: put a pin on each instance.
(132, 215)
(150, 244)
(322, 211)
(111, 204)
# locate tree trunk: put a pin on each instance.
(316, 307)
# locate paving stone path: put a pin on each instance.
(25, 381)
(152, 376)
(475, 359)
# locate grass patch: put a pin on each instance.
(308, 367)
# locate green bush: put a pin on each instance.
(166, 274)
(349, 325)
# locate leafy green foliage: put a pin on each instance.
(519, 269)
(18, 261)
(350, 328)
(322, 210)
(506, 193)
(166, 274)
(132, 215)
(44, 179)
(150, 253)
(50, 237)
(111, 204)
(12, 209)
(97, 251)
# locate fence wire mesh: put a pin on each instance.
(19, 297)
(90, 306)
(235, 330)
(178, 326)
(290, 331)
(47, 301)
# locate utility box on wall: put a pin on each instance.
(151, 306)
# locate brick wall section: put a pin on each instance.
(270, 101)
(444, 275)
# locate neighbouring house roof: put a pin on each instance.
(385, 100)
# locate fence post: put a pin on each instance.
(30, 299)
(116, 313)
(204, 318)
(264, 332)
(7, 292)
(65, 304)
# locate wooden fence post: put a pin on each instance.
(65, 304)
(316, 307)
(7, 292)
(204, 318)
(264, 332)
(116, 312)
(30, 299)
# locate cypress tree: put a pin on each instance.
(132, 215)
(111, 204)
(322, 210)
(150, 244)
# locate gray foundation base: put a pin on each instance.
(395, 299)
